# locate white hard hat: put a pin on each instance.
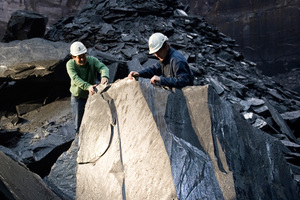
(156, 41)
(77, 48)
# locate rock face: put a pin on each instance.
(151, 143)
(265, 30)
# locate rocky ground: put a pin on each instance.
(57, 112)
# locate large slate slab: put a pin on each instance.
(17, 182)
(31, 58)
(147, 142)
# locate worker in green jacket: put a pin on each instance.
(82, 70)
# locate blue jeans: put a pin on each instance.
(78, 105)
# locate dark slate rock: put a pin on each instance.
(25, 25)
(62, 178)
(232, 84)
(291, 116)
(42, 141)
(107, 57)
(251, 102)
(284, 128)
(220, 66)
(52, 138)
(219, 87)
(195, 70)
(113, 70)
(296, 170)
(134, 65)
(250, 143)
(259, 123)
(142, 58)
(290, 144)
(129, 53)
(17, 182)
(107, 30)
(10, 153)
(293, 119)
(275, 94)
(150, 62)
(260, 110)
(27, 107)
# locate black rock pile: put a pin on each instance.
(117, 32)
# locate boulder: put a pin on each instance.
(25, 25)
(148, 142)
(31, 58)
(17, 182)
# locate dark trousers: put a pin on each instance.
(78, 105)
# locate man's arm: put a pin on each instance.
(149, 72)
(102, 69)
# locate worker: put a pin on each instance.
(172, 70)
(82, 70)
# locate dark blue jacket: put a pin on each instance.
(174, 70)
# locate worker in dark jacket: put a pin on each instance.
(172, 70)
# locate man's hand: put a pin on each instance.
(91, 89)
(104, 80)
(155, 80)
(133, 74)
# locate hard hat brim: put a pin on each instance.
(152, 52)
(79, 53)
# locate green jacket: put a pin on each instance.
(82, 77)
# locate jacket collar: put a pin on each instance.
(167, 58)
